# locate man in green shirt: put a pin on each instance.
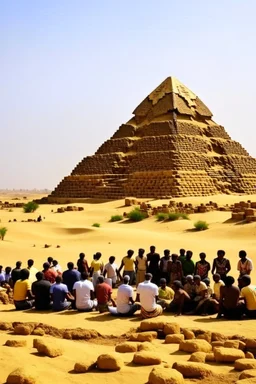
(188, 265)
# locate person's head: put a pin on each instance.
(130, 252)
(39, 276)
(163, 283)
(100, 279)
(174, 257)
(197, 279)
(182, 252)
(202, 256)
(55, 263)
(112, 259)
(97, 256)
(220, 254)
(189, 255)
(70, 265)
(30, 263)
(126, 279)
(84, 275)
(8, 270)
(245, 280)
(167, 253)
(81, 256)
(46, 266)
(50, 260)
(207, 281)
(177, 285)
(58, 279)
(141, 252)
(229, 281)
(24, 274)
(242, 255)
(18, 264)
(148, 276)
(152, 249)
(190, 279)
(216, 277)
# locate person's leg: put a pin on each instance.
(24, 304)
(133, 309)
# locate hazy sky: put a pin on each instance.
(73, 71)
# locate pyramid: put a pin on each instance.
(170, 147)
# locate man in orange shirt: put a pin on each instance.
(49, 273)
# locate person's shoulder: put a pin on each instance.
(203, 285)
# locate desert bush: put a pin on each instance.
(172, 216)
(116, 218)
(31, 206)
(161, 216)
(136, 215)
(201, 225)
(184, 216)
(10, 210)
(3, 231)
(96, 225)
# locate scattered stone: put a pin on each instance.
(217, 344)
(195, 346)
(174, 339)
(216, 336)
(192, 370)
(45, 348)
(250, 343)
(5, 326)
(109, 362)
(22, 329)
(83, 367)
(171, 328)
(38, 332)
(198, 357)
(146, 358)
(251, 380)
(16, 343)
(151, 325)
(189, 335)
(207, 335)
(21, 376)
(209, 357)
(126, 347)
(227, 355)
(146, 346)
(231, 344)
(248, 373)
(160, 375)
(249, 355)
(144, 336)
(243, 364)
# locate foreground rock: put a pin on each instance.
(109, 362)
(171, 328)
(227, 355)
(16, 343)
(143, 336)
(146, 358)
(165, 376)
(21, 376)
(151, 325)
(174, 339)
(247, 381)
(247, 374)
(195, 345)
(242, 364)
(48, 349)
(198, 357)
(126, 347)
(192, 370)
(83, 367)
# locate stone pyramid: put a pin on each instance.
(170, 147)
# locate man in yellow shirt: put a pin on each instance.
(165, 294)
(248, 292)
(22, 296)
(216, 286)
(128, 263)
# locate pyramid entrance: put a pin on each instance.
(171, 147)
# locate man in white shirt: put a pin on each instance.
(32, 271)
(83, 292)
(244, 265)
(111, 271)
(147, 295)
(125, 305)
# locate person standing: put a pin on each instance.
(111, 271)
(82, 264)
(188, 265)
(128, 263)
(221, 265)
(202, 267)
(141, 266)
(16, 273)
(83, 292)
(96, 268)
(174, 269)
(147, 295)
(244, 265)
(164, 274)
(153, 260)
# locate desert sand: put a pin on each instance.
(74, 233)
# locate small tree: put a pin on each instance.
(30, 207)
(3, 231)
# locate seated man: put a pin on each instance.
(181, 302)
(103, 295)
(147, 295)
(189, 286)
(165, 294)
(83, 292)
(60, 295)
(230, 306)
(49, 273)
(125, 305)
(22, 295)
(218, 283)
(248, 292)
(41, 292)
(70, 276)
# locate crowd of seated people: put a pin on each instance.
(172, 283)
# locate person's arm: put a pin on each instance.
(69, 296)
(180, 269)
(213, 267)
(74, 293)
(120, 269)
(138, 297)
(30, 294)
(181, 304)
(92, 294)
(250, 267)
(208, 266)
(104, 272)
(136, 265)
(196, 268)
(91, 271)
(228, 267)
(221, 302)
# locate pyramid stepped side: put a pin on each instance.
(171, 147)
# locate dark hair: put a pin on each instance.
(8, 269)
(242, 254)
(82, 256)
(55, 262)
(1, 267)
(189, 253)
(46, 265)
(167, 252)
(70, 265)
(30, 262)
(202, 254)
(182, 251)
(84, 275)
(50, 259)
(152, 248)
(175, 255)
(24, 274)
(229, 281)
(130, 252)
(18, 264)
(39, 276)
(141, 251)
(101, 279)
(58, 279)
(246, 279)
(162, 281)
(112, 259)
(206, 281)
(221, 252)
(197, 277)
(97, 256)
(177, 284)
(148, 276)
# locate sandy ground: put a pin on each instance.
(74, 233)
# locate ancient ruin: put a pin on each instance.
(170, 148)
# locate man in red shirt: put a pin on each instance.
(103, 295)
(49, 273)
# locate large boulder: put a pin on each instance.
(174, 339)
(16, 343)
(248, 373)
(151, 325)
(171, 328)
(227, 355)
(160, 375)
(47, 348)
(198, 357)
(21, 376)
(109, 362)
(84, 366)
(147, 358)
(243, 364)
(126, 347)
(192, 370)
(195, 345)
(143, 336)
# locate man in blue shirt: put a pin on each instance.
(71, 276)
(61, 297)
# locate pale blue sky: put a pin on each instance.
(73, 71)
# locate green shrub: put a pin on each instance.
(184, 216)
(116, 218)
(96, 225)
(172, 216)
(136, 215)
(31, 206)
(10, 210)
(201, 225)
(161, 216)
(3, 231)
